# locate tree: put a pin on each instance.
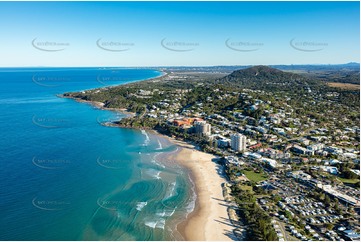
(348, 174)
(327, 200)
(329, 226)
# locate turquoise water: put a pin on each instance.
(64, 176)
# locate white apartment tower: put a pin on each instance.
(201, 127)
(238, 142)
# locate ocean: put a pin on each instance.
(64, 176)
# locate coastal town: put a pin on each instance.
(288, 145)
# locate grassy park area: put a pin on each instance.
(254, 176)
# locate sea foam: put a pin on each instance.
(141, 205)
(155, 223)
(147, 139)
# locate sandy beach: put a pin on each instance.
(209, 220)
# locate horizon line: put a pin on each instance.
(164, 66)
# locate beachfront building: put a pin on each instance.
(238, 142)
(202, 128)
(232, 160)
(186, 121)
(270, 162)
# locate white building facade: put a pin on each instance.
(238, 142)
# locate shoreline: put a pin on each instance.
(210, 215)
(163, 74)
(100, 105)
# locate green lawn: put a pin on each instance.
(350, 181)
(253, 176)
(245, 187)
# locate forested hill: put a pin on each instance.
(267, 78)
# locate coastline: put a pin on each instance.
(210, 215)
(100, 105)
(157, 78)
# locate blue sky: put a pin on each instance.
(178, 33)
